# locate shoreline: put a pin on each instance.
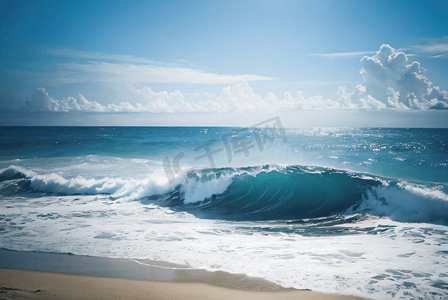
(41, 275)
(25, 284)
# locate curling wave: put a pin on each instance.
(269, 192)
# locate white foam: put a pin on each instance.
(435, 194)
(375, 266)
(195, 190)
(406, 203)
(207, 184)
(14, 171)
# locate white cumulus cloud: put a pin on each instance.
(41, 101)
(390, 80)
(390, 77)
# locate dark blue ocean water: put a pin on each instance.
(353, 204)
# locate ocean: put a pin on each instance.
(337, 210)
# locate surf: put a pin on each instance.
(269, 192)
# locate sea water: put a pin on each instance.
(337, 210)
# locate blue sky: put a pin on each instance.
(221, 62)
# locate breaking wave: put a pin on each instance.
(269, 192)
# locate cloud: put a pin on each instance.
(390, 81)
(358, 99)
(41, 101)
(237, 98)
(343, 54)
(390, 77)
(440, 105)
(98, 66)
(433, 48)
(131, 73)
(69, 52)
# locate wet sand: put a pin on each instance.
(38, 275)
(22, 284)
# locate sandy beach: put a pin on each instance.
(40, 275)
(23, 284)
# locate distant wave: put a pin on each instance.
(269, 192)
(117, 187)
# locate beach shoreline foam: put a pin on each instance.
(40, 275)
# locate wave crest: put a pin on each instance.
(405, 202)
(268, 192)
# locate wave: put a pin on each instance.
(14, 172)
(54, 183)
(405, 202)
(269, 192)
